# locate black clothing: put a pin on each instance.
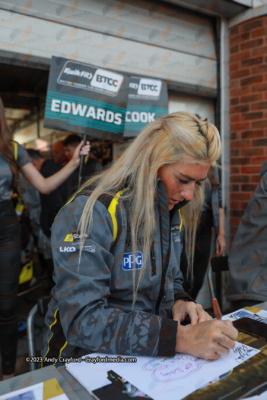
(91, 167)
(10, 249)
(51, 203)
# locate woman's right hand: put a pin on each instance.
(208, 339)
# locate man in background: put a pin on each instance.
(59, 153)
(90, 167)
(248, 255)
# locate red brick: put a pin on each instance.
(239, 126)
(240, 73)
(251, 43)
(250, 98)
(260, 51)
(234, 31)
(236, 144)
(244, 37)
(234, 49)
(235, 188)
(234, 153)
(260, 142)
(259, 69)
(252, 134)
(252, 152)
(234, 101)
(234, 67)
(241, 108)
(235, 204)
(258, 32)
(259, 87)
(258, 124)
(255, 178)
(240, 160)
(249, 169)
(252, 79)
(255, 115)
(235, 170)
(247, 187)
(252, 61)
(242, 55)
(259, 106)
(258, 160)
(252, 24)
(239, 178)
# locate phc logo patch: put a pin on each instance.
(128, 261)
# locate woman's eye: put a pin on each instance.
(182, 181)
(198, 183)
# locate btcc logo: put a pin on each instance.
(67, 249)
(149, 87)
(107, 81)
(128, 261)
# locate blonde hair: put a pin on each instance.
(162, 142)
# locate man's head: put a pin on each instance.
(36, 157)
(59, 152)
(70, 144)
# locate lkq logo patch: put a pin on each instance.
(128, 261)
(149, 87)
(107, 81)
(69, 249)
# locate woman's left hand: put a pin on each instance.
(80, 151)
(220, 244)
(182, 309)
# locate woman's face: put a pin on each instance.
(181, 179)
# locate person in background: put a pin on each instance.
(59, 153)
(211, 216)
(13, 160)
(90, 167)
(50, 205)
(118, 284)
(248, 254)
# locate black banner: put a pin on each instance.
(147, 101)
(85, 99)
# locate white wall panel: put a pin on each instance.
(202, 106)
(140, 20)
(173, 48)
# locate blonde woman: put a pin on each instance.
(116, 249)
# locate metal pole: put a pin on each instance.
(81, 163)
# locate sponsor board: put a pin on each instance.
(84, 99)
(147, 101)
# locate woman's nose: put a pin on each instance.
(188, 192)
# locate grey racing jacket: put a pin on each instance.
(248, 255)
(91, 305)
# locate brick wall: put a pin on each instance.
(248, 112)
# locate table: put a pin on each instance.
(75, 391)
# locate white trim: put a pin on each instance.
(250, 14)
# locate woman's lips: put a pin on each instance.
(172, 201)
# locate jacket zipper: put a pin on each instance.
(153, 262)
(162, 292)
